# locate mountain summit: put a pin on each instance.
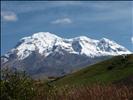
(49, 54)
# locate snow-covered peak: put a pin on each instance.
(46, 43)
(82, 38)
(106, 41)
(41, 42)
(44, 35)
(39, 36)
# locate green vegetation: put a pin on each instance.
(96, 82)
(105, 72)
(16, 85)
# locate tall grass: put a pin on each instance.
(95, 92)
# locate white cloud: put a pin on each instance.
(62, 21)
(8, 16)
(132, 39)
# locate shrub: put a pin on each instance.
(16, 85)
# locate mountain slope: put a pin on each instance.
(113, 70)
(50, 55)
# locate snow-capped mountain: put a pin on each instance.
(46, 43)
(47, 53)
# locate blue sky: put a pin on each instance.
(67, 19)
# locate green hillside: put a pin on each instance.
(109, 71)
(79, 85)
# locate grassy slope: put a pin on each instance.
(107, 71)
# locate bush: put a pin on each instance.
(16, 85)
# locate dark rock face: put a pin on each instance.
(76, 46)
(56, 64)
